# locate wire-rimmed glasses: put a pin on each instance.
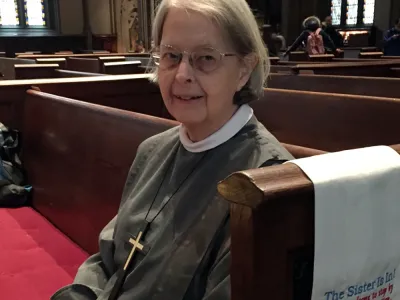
(205, 60)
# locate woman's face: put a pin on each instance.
(198, 92)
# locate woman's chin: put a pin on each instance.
(189, 120)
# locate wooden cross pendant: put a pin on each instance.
(137, 246)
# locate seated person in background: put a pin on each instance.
(330, 30)
(392, 40)
(170, 239)
(315, 39)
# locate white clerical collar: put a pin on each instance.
(233, 126)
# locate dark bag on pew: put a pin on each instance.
(13, 192)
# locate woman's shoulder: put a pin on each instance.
(261, 139)
(160, 140)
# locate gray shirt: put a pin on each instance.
(189, 241)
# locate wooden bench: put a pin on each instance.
(272, 232)
(123, 67)
(62, 62)
(354, 85)
(87, 55)
(327, 121)
(396, 72)
(298, 56)
(69, 145)
(274, 60)
(344, 121)
(68, 74)
(321, 57)
(370, 55)
(373, 68)
(91, 65)
(35, 71)
(66, 145)
(7, 66)
(66, 149)
(112, 58)
(119, 91)
(275, 69)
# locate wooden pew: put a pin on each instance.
(327, 121)
(274, 60)
(70, 144)
(298, 56)
(119, 91)
(321, 57)
(69, 74)
(105, 59)
(275, 69)
(344, 121)
(373, 68)
(369, 49)
(64, 161)
(62, 62)
(370, 55)
(87, 55)
(35, 71)
(272, 232)
(354, 85)
(123, 67)
(91, 65)
(396, 72)
(7, 66)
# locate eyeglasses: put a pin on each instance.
(205, 60)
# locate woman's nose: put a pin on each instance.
(185, 71)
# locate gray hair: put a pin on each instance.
(236, 18)
(312, 19)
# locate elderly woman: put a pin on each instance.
(170, 239)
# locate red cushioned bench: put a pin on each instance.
(35, 258)
(77, 156)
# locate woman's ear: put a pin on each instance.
(249, 62)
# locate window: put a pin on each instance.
(9, 13)
(28, 14)
(352, 12)
(369, 10)
(336, 11)
(34, 13)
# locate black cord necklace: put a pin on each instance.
(136, 242)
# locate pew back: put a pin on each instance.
(35, 71)
(123, 67)
(91, 65)
(129, 92)
(328, 121)
(272, 232)
(354, 85)
(377, 68)
(77, 159)
(7, 66)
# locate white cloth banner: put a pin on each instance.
(357, 223)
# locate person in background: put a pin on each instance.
(392, 40)
(330, 30)
(312, 26)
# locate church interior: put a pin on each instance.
(81, 113)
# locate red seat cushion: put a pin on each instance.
(36, 259)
